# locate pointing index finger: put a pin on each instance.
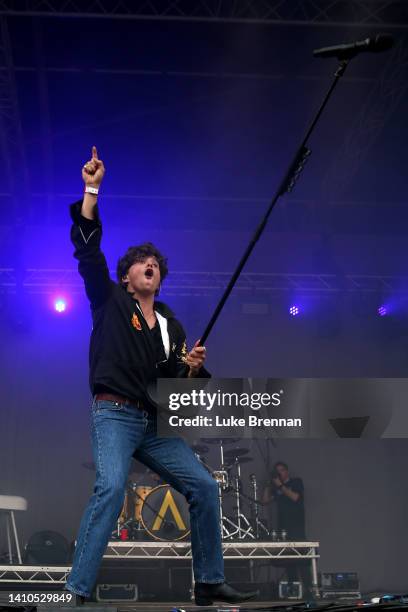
(94, 153)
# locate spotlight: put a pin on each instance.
(294, 310)
(382, 311)
(60, 305)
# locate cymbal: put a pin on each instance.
(239, 460)
(219, 440)
(236, 452)
(200, 449)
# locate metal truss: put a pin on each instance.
(34, 573)
(231, 550)
(39, 281)
(381, 102)
(163, 550)
(11, 131)
(349, 13)
(45, 115)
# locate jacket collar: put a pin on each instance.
(161, 307)
(164, 310)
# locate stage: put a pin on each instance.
(169, 607)
(20, 577)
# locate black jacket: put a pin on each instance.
(122, 355)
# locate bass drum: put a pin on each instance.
(165, 514)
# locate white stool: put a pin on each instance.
(9, 503)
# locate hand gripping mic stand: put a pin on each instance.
(286, 186)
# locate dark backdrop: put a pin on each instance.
(195, 123)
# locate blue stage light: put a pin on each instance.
(60, 305)
(382, 311)
(294, 310)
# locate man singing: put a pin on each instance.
(135, 340)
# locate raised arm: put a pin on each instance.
(294, 492)
(92, 174)
(86, 234)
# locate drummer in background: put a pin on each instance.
(288, 493)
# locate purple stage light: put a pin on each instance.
(294, 310)
(60, 305)
(382, 311)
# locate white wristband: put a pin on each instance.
(93, 190)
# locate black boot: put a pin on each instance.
(77, 600)
(205, 594)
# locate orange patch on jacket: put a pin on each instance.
(135, 322)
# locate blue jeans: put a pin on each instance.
(120, 431)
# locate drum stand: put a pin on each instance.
(221, 476)
(259, 525)
(243, 527)
(126, 519)
(222, 479)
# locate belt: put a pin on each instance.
(120, 399)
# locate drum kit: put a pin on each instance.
(157, 511)
(154, 511)
(236, 526)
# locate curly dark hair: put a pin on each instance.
(140, 253)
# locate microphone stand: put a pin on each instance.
(288, 182)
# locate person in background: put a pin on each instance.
(288, 494)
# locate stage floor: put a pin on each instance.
(166, 606)
(263, 606)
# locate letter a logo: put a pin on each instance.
(168, 503)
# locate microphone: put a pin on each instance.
(376, 44)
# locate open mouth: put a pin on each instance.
(149, 273)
